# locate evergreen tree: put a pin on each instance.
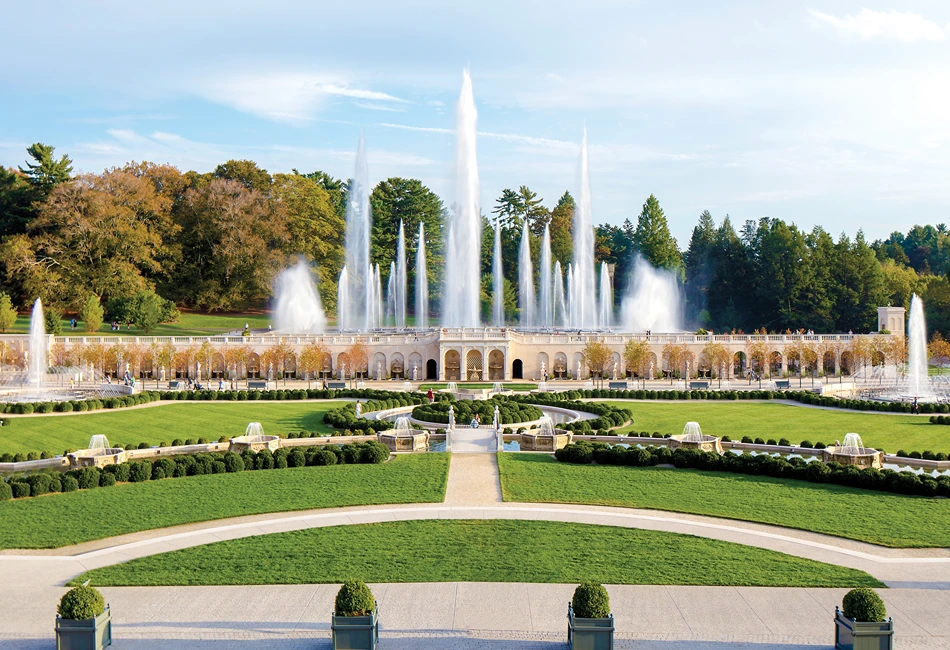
(653, 239)
(562, 221)
(46, 172)
(7, 313)
(698, 263)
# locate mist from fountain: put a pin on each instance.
(918, 379)
(852, 445)
(692, 432)
(653, 300)
(546, 290)
(254, 432)
(569, 314)
(98, 445)
(38, 364)
(401, 274)
(582, 296)
(498, 282)
(422, 282)
(297, 305)
(376, 312)
(606, 309)
(546, 425)
(464, 234)
(392, 296)
(360, 301)
(526, 296)
(560, 307)
(402, 426)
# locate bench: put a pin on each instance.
(177, 385)
(257, 384)
(336, 385)
(783, 383)
(618, 385)
(699, 385)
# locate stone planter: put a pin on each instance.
(87, 634)
(589, 633)
(355, 632)
(855, 635)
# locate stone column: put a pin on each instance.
(485, 375)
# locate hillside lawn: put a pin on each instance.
(796, 422)
(878, 518)
(161, 422)
(477, 551)
(56, 520)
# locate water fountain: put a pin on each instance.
(498, 282)
(422, 284)
(582, 292)
(38, 365)
(358, 301)
(544, 437)
(606, 308)
(391, 296)
(406, 387)
(402, 437)
(560, 306)
(254, 439)
(99, 454)
(401, 278)
(464, 232)
(451, 387)
(297, 306)
(498, 388)
(694, 438)
(546, 290)
(917, 383)
(653, 301)
(852, 452)
(526, 296)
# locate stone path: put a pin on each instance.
(473, 480)
(466, 440)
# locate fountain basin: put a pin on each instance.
(536, 440)
(100, 457)
(707, 443)
(254, 443)
(870, 457)
(414, 440)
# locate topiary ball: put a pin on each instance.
(354, 599)
(591, 601)
(863, 605)
(81, 603)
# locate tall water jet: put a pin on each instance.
(361, 301)
(376, 305)
(342, 296)
(297, 306)
(546, 290)
(606, 310)
(527, 300)
(498, 282)
(583, 298)
(401, 278)
(560, 307)
(464, 236)
(653, 300)
(392, 295)
(570, 292)
(38, 353)
(918, 380)
(422, 282)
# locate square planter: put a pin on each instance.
(87, 634)
(589, 633)
(355, 632)
(855, 635)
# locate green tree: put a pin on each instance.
(7, 313)
(860, 284)
(900, 283)
(733, 284)
(561, 224)
(245, 172)
(653, 239)
(91, 314)
(46, 172)
(53, 319)
(17, 196)
(698, 264)
(146, 311)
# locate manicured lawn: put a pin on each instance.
(797, 423)
(63, 519)
(166, 422)
(477, 551)
(875, 517)
(190, 324)
(465, 384)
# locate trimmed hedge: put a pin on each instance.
(591, 600)
(354, 599)
(609, 416)
(509, 410)
(81, 603)
(884, 480)
(863, 605)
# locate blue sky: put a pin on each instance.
(823, 112)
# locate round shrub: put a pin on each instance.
(591, 601)
(107, 480)
(863, 605)
(296, 458)
(6, 492)
(70, 484)
(233, 462)
(81, 603)
(374, 453)
(88, 478)
(217, 467)
(354, 599)
(324, 457)
(20, 489)
(140, 471)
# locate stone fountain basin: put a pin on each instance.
(708, 443)
(96, 457)
(254, 443)
(535, 440)
(412, 440)
(870, 457)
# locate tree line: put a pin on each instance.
(215, 242)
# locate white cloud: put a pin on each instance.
(904, 26)
(436, 103)
(282, 97)
(513, 138)
(378, 107)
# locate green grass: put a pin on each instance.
(190, 324)
(63, 519)
(465, 384)
(797, 423)
(166, 422)
(477, 551)
(875, 517)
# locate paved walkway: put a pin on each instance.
(466, 440)
(477, 615)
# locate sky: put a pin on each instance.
(830, 113)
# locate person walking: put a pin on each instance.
(430, 396)
(359, 409)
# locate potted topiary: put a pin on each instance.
(590, 625)
(83, 620)
(860, 623)
(355, 621)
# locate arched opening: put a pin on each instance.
(397, 366)
(847, 363)
(543, 365)
(775, 364)
(577, 366)
(613, 368)
(560, 366)
(217, 365)
(473, 365)
(415, 369)
(432, 369)
(877, 358)
(453, 366)
(496, 365)
(828, 363)
(290, 367)
(343, 365)
(517, 369)
(738, 364)
(253, 366)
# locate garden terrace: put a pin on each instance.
(510, 411)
